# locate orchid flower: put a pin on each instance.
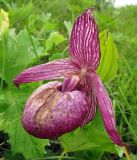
(57, 107)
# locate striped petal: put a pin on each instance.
(91, 100)
(84, 42)
(70, 83)
(106, 109)
(52, 70)
(92, 110)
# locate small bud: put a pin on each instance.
(4, 22)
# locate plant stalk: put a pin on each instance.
(61, 155)
(127, 154)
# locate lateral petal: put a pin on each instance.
(86, 86)
(106, 109)
(84, 42)
(52, 70)
(92, 110)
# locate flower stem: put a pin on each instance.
(32, 43)
(4, 44)
(61, 155)
(127, 154)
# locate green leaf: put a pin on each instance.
(133, 122)
(108, 64)
(120, 150)
(133, 156)
(93, 136)
(68, 26)
(56, 56)
(20, 140)
(16, 53)
(55, 38)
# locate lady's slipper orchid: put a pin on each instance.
(57, 107)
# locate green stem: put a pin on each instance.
(127, 121)
(61, 155)
(127, 154)
(124, 116)
(127, 103)
(4, 44)
(50, 6)
(129, 69)
(64, 51)
(32, 43)
(125, 99)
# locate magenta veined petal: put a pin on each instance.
(70, 83)
(86, 86)
(106, 109)
(92, 109)
(84, 42)
(52, 70)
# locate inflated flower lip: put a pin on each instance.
(60, 115)
(77, 98)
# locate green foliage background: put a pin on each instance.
(39, 32)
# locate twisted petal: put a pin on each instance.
(91, 100)
(92, 110)
(84, 42)
(52, 70)
(106, 109)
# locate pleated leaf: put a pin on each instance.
(20, 141)
(108, 65)
(16, 54)
(92, 136)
